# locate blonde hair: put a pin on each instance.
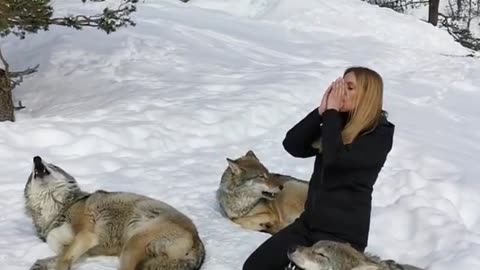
(368, 103)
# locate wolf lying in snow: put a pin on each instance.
(145, 233)
(329, 255)
(258, 200)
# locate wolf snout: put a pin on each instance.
(37, 161)
(39, 169)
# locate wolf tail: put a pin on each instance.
(191, 259)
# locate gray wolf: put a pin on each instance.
(331, 255)
(257, 199)
(145, 233)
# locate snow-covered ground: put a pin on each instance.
(157, 108)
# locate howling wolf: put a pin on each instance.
(145, 233)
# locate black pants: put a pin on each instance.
(272, 254)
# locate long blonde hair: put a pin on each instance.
(368, 103)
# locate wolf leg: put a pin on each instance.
(162, 247)
(82, 242)
(133, 252)
(145, 245)
(258, 222)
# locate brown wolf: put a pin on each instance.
(259, 200)
(146, 234)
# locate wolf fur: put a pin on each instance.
(146, 234)
(258, 200)
(330, 255)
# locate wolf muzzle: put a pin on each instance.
(292, 266)
(39, 169)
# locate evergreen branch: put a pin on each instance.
(108, 21)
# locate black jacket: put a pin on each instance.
(340, 188)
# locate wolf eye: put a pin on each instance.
(262, 177)
(319, 253)
(259, 176)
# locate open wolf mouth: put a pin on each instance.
(293, 266)
(39, 170)
(269, 195)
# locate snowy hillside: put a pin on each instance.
(157, 108)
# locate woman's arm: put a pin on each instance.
(369, 150)
(298, 140)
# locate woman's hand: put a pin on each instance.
(337, 94)
(323, 104)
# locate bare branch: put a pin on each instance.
(9, 76)
(19, 107)
(28, 71)
(19, 75)
(461, 35)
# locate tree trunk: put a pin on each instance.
(6, 100)
(470, 10)
(433, 11)
(459, 7)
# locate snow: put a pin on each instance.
(157, 108)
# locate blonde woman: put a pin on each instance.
(350, 137)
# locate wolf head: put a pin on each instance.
(328, 255)
(248, 175)
(47, 177)
(47, 191)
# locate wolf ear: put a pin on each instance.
(251, 154)
(234, 166)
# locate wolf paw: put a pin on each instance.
(44, 264)
(266, 225)
(39, 265)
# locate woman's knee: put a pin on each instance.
(254, 261)
(272, 254)
(267, 256)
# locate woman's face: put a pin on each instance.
(350, 93)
